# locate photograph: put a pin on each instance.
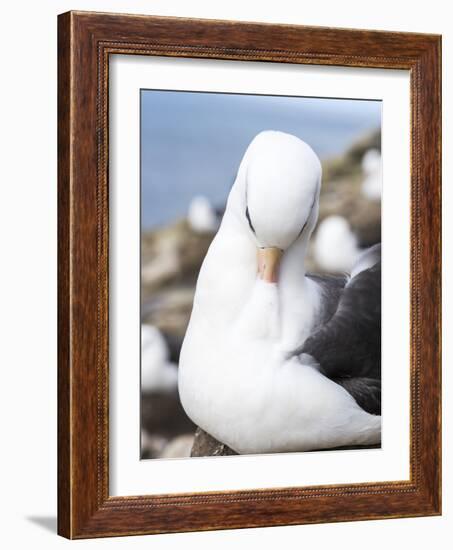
(260, 289)
(249, 273)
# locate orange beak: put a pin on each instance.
(269, 263)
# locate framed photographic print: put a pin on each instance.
(249, 275)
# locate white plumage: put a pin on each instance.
(158, 373)
(335, 245)
(236, 379)
(201, 215)
(372, 168)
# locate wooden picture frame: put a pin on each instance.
(85, 42)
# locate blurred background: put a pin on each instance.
(191, 147)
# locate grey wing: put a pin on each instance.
(347, 347)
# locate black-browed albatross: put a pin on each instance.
(275, 360)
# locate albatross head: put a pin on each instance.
(281, 176)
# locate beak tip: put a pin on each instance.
(269, 263)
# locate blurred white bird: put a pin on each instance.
(335, 245)
(201, 215)
(158, 373)
(372, 168)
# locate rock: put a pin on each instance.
(179, 447)
(172, 255)
(206, 445)
(169, 310)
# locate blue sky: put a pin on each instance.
(192, 142)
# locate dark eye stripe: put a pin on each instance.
(302, 230)
(247, 214)
(309, 214)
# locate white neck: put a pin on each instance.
(229, 293)
(299, 296)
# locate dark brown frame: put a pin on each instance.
(85, 42)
